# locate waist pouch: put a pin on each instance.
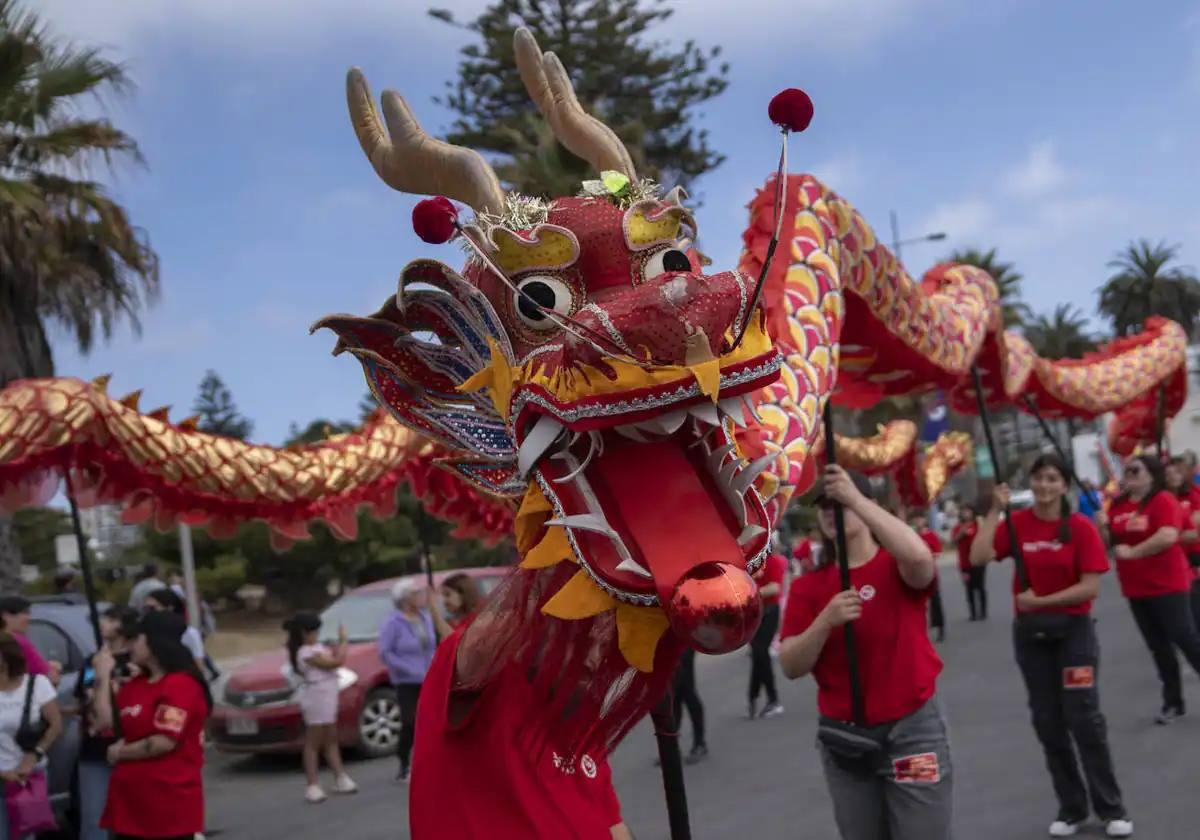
(851, 741)
(1046, 626)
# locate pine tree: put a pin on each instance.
(218, 414)
(645, 90)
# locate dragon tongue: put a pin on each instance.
(636, 481)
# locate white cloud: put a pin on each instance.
(964, 221)
(844, 173)
(1039, 174)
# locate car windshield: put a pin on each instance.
(362, 615)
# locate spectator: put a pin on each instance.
(66, 581)
(1089, 499)
(165, 600)
(157, 786)
(461, 596)
(769, 578)
(101, 675)
(30, 720)
(147, 582)
(407, 641)
(937, 613)
(316, 666)
(14, 619)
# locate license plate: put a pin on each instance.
(242, 726)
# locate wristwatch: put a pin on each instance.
(39, 753)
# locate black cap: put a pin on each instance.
(860, 481)
(14, 605)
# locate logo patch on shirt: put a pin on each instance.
(170, 718)
(588, 766)
(132, 711)
(867, 592)
(1080, 676)
(919, 769)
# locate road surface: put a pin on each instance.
(763, 780)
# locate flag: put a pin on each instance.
(937, 420)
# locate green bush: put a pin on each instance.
(223, 580)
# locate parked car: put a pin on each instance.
(61, 630)
(256, 711)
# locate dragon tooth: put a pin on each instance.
(665, 424)
(631, 565)
(749, 533)
(630, 431)
(750, 406)
(717, 456)
(745, 479)
(540, 438)
(727, 473)
(706, 412)
(732, 407)
(585, 522)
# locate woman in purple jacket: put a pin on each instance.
(407, 641)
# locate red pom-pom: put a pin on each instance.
(435, 220)
(791, 109)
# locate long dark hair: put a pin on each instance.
(1051, 461)
(1185, 486)
(1158, 479)
(297, 627)
(163, 632)
(468, 589)
(169, 600)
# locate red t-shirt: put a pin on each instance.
(1188, 505)
(478, 780)
(1159, 574)
(897, 664)
(1051, 564)
(932, 540)
(962, 536)
(163, 796)
(771, 571)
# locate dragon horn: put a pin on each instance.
(551, 90)
(409, 160)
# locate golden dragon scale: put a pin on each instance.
(164, 472)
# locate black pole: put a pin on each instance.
(1013, 542)
(666, 732)
(1161, 419)
(1033, 409)
(843, 561)
(85, 562)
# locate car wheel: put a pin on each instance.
(379, 724)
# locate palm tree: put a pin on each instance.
(1008, 282)
(1144, 285)
(1062, 335)
(68, 253)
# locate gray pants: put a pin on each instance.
(905, 792)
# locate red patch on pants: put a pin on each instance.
(1082, 676)
(917, 769)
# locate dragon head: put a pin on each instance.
(585, 364)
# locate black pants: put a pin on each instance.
(1062, 678)
(406, 696)
(1166, 623)
(975, 580)
(1196, 602)
(937, 615)
(686, 695)
(762, 670)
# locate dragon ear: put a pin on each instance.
(420, 347)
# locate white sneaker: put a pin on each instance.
(313, 795)
(1062, 828)
(1119, 828)
(344, 784)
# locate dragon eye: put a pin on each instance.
(539, 293)
(665, 261)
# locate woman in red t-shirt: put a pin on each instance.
(1179, 482)
(157, 788)
(973, 577)
(888, 774)
(769, 578)
(1143, 526)
(1055, 641)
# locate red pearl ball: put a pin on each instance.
(715, 608)
(791, 109)
(435, 220)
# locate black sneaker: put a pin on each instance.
(698, 754)
(1168, 715)
(404, 774)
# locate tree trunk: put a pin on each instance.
(24, 353)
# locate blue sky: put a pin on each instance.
(1055, 132)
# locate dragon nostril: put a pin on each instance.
(676, 261)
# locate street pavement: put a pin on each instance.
(763, 779)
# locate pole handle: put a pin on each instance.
(666, 733)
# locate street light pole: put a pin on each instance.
(898, 243)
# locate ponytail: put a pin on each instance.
(297, 628)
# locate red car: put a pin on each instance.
(256, 712)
